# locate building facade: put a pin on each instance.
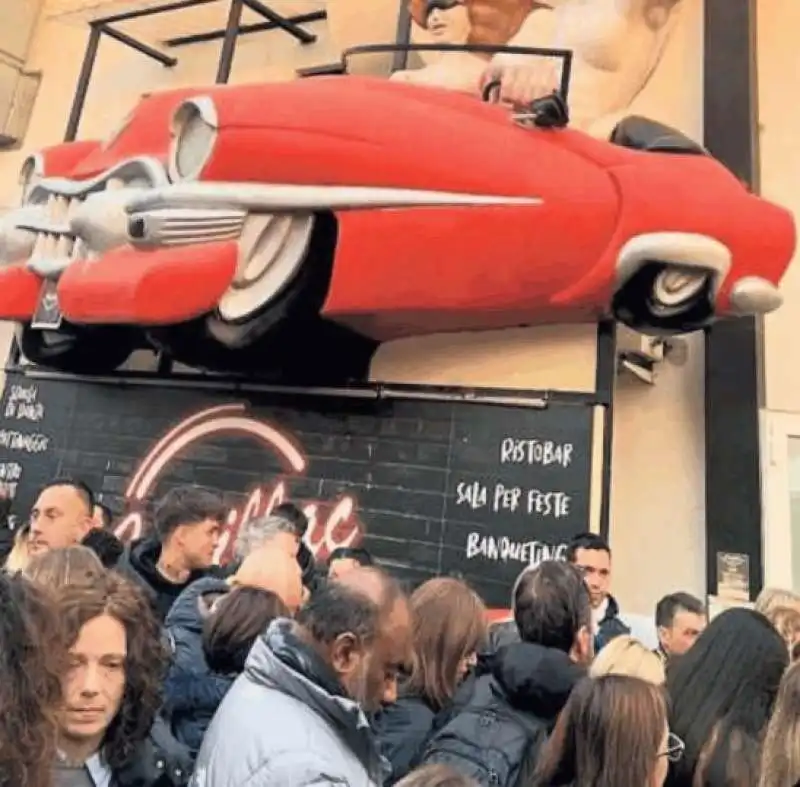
(684, 508)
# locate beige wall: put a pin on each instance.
(658, 453)
(779, 123)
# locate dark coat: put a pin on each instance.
(402, 729)
(192, 692)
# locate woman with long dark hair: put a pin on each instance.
(31, 659)
(612, 731)
(722, 692)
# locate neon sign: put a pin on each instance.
(332, 524)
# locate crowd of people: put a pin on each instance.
(148, 665)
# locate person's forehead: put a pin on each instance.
(62, 495)
(685, 619)
(345, 562)
(103, 634)
(596, 558)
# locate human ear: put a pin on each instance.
(346, 653)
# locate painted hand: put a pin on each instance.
(521, 80)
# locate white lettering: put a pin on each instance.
(553, 504)
(27, 443)
(506, 498)
(503, 549)
(531, 451)
(10, 471)
(471, 494)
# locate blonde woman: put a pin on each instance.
(19, 555)
(780, 757)
(770, 598)
(787, 623)
(627, 656)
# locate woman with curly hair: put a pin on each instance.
(108, 730)
(30, 690)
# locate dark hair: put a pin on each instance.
(608, 733)
(31, 662)
(359, 554)
(436, 776)
(231, 629)
(108, 514)
(670, 605)
(292, 513)
(551, 605)
(337, 608)
(586, 541)
(186, 505)
(145, 664)
(722, 692)
(105, 545)
(448, 623)
(82, 489)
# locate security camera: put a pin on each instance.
(642, 370)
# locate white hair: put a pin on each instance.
(256, 532)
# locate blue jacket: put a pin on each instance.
(192, 692)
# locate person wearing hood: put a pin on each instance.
(193, 689)
(187, 525)
(236, 620)
(298, 714)
(506, 709)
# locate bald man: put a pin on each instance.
(273, 569)
(297, 715)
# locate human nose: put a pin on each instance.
(89, 680)
(390, 691)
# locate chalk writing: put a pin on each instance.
(23, 404)
(10, 471)
(34, 443)
(531, 451)
(505, 549)
(499, 497)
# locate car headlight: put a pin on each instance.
(194, 134)
(31, 173)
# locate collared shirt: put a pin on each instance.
(93, 773)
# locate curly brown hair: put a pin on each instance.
(146, 661)
(31, 661)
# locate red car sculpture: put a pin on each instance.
(244, 224)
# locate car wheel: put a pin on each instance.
(79, 349)
(281, 337)
(664, 299)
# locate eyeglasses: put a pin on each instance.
(675, 748)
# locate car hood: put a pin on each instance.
(361, 131)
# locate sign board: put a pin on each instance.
(429, 487)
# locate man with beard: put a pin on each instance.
(297, 716)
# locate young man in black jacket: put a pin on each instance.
(502, 714)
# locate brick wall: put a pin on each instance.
(420, 483)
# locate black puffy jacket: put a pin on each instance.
(402, 729)
(503, 713)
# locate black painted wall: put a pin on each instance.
(437, 487)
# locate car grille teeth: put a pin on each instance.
(54, 240)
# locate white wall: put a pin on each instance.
(658, 452)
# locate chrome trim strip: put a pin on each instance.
(139, 167)
(281, 197)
